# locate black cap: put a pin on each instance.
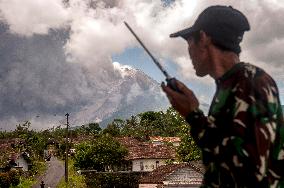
(224, 24)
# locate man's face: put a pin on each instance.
(198, 57)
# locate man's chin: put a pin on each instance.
(200, 74)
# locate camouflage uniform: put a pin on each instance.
(242, 138)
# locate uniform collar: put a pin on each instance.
(229, 73)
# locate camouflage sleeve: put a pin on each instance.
(251, 133)
(253, 126)
(268, 130)
(203, 130)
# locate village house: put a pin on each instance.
(146, 156)
(7, 147)
(186, 175)
(158, 140)
(12, 155)
(22, 161)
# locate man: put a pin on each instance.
(242, 138)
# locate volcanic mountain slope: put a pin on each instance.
(133, 93)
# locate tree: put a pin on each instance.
(153, 123)
(131, 127)
(33, 142)
(22, 130)
(6, 134)
(91, 128)
(36, 143)
(95, 128)
(104, 152)
(188, 150)
(174, 122)
(114, 128)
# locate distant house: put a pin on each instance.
(21, 160)
(158, 140)
(186, 175)
(146, 156)
(9, 147)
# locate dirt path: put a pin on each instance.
(54, 173)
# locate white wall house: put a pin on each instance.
(147, 164)
(158, 140)
(186, 175)
(22, 163)
(146, 156)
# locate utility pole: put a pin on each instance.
(67, 148)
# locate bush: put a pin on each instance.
(104, 151)
(5, 180)
(74, 179)
(14, 177)
(9, 178)
(113, 179)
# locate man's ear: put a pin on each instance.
(205, 40)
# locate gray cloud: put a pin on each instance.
(30, 70)
(36, 80)
(55, 57)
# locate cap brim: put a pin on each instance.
(185, 33)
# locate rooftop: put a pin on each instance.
(146, 150)
(161, 173)
(165, 139)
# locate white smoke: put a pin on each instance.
(96, 32)
(34, 17)
(97, 29)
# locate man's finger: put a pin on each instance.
(169, 91)
(183, 88)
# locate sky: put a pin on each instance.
(96, 37)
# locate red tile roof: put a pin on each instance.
(146, 150)
(165, 139)
(159, 175)
(81, 139)
(7, 150)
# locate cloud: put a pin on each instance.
(56, 53)
(34, 76)
(36, 79)
(97, 29)
(123, 70)
(95, 39)
(30, 16)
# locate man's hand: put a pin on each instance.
(184, 102)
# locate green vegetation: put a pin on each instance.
(113, 179)
(27, 179)
(74, 179)
(25, 183)
(96, 148)
(102, 152)
(150, 123)
(30, 145)
(188, 150)
(11, 178)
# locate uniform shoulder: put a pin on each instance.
(256, 77)
(251, 71)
